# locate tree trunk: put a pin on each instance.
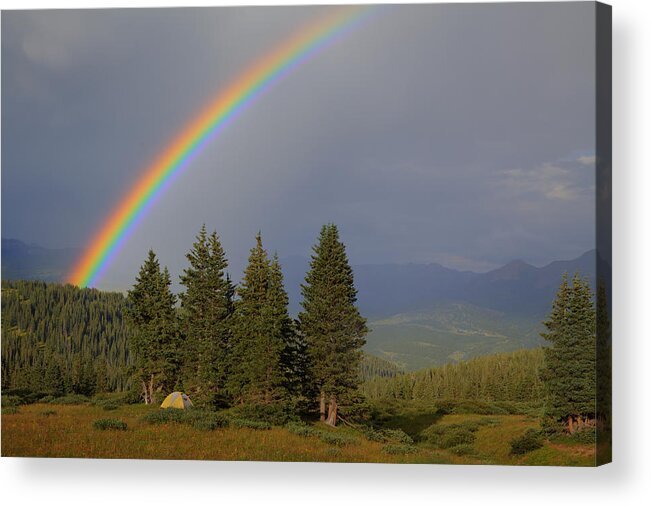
(332, 412)
(322, 407)
(144, 392)
(570, 424)
(150, 390)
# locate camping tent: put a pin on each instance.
(177, 400)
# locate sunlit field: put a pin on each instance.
(46, 430)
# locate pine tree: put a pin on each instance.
(570, 369)
(604, 360)
(261, 332)
(155, 340)
(331, 324)
(293, 356)
(206, 310)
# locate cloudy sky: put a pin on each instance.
(458, 134)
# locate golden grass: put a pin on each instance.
(69, 433)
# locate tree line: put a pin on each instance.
(233, 345)
(59, 339)
(511, 376)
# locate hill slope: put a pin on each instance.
(27, 261)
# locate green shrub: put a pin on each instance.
(398, 449)
(531, 440)
(243, 423)
(22, 396)
(10, 401)
(109, 424)
(207, 420)
(109, 406)
(585, 436)
(448, 436)
(9, 410)
(456, 436)
(198, 418)
(48, 412)
(301, 429)
(71, 399)
(165, 416)
(277, 413)
(463, 449)
(333, 438)
(433, 434)
(397, 435)
(47, 399)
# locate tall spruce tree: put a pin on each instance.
(206, 310)
(570, 362)
(331, 324)
(260, 332)
(155, 339)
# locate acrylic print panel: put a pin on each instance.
(318, 233)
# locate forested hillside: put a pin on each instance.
(61, 339)
(373, 367)
(502, 377)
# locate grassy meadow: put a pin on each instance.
(47, 430)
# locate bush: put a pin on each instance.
(585, 436)
(49, 412)
(462, 450)
(387, 435)
(301, 429)
(165, 416)
(10, 401)
(109, 406)
(448, 436)
(47, 399)
(333, 438)
(20, 396)
(207, 420)
(243, 423)
(531, 440)
(71, 399)
(398, 435)
(336, 439)
(398, 449)
(109, 424)
(277, 413)
(456, 436)
(197, 418)
(9, 410)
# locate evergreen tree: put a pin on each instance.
(155, 338)
(604, 360)
(331, 324)
(570, 362)
(261, 332)
(206, 306)
(54, 379)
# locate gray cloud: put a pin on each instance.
(455, 133)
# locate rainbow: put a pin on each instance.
(200, 131)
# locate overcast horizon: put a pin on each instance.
(430, 135)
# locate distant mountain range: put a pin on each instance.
(428, 315)
(29, 261)
(388, 289)
(419, 315)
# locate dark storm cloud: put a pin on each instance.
(454, 133)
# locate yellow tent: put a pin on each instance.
(177, 400)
